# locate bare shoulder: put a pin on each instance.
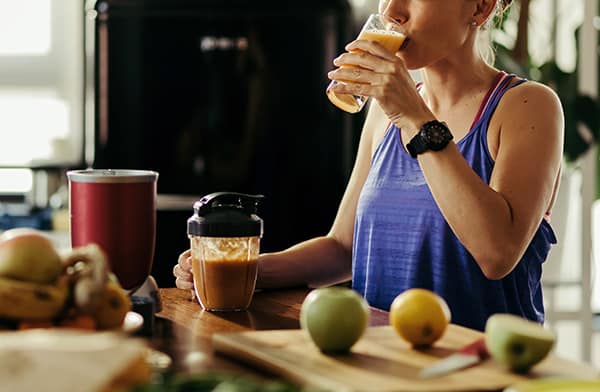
(531, 100)
(529, 113)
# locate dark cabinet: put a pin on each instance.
(223, 96)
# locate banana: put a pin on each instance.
(21, 300)
(89, 270)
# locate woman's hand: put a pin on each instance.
(371, 70)
(183, 271)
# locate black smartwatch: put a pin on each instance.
(433, 135)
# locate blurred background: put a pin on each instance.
(229, 96)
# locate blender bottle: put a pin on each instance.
(225, 235)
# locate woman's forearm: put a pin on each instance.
(320, 261)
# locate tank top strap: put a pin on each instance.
(506, 83)
(497, 80)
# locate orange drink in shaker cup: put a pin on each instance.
(225, 235)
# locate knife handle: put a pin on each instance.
(476, 348)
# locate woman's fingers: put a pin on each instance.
(179, 272)
(375, 66)
(183, 271)
(375, 48)
(365, 54)
(358, 60)
(184, 284)
(352, 75)
(185, 260)
(184, 280)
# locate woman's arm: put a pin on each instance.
(320, 261)
(326, 260)
(497, 222)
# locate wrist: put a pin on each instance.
(410, 125)
(433, 135)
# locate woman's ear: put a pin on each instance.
(483, 10)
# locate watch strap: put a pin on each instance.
(417, 145)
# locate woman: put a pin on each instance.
(454, 178)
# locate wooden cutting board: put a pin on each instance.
(380, 361)
(65, 360)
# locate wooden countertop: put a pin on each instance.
(183, 330)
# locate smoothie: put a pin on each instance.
(224, 271)
(392, 41)
(224, 284)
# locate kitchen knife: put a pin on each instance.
(467, 356)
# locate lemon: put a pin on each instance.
(419, 316)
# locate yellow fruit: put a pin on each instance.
(32, 301)
(113, 306)
(28, 255)
(419, 316)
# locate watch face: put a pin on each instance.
(436, 134)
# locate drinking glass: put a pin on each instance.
(379, 28)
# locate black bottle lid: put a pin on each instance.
(226, 214)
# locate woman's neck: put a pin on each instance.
(449, 82)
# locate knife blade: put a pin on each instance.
(467, 356)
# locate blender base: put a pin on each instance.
(149, 289)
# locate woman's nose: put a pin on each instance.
(394, 9)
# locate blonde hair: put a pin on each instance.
(484, 39)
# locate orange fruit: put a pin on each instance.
(419, 316)
(79, 321)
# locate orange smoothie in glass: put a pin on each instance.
(224, 271)
(226, 284)
(392, 41)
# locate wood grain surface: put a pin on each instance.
(380, 362)
(265, 342)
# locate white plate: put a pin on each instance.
(132, 323)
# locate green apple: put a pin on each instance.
(334, 318)
(28, 255)
(516, 342)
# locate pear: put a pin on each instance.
(28, 255)
(517, 343)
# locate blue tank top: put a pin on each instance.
(402, 241)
